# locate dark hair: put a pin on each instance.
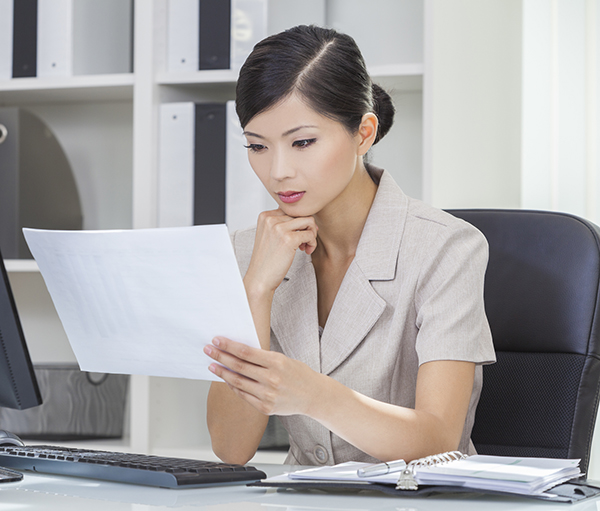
(322, 65)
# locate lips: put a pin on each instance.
(290, 196)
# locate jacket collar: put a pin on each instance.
(357, 306)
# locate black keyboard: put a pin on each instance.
(126, 468)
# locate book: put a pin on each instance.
(543, 478)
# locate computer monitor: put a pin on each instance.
(18, 385)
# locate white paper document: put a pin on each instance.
(145, 301)
(347, 471)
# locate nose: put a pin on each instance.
(281, 166)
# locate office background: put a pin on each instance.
(498, 106)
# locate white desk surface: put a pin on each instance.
(37, 491)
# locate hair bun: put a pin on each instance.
(383, 108)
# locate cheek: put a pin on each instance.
(338, 162)
(260, 167)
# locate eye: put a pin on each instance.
(301, 144)
(255, 148)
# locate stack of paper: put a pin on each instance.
(500, 473)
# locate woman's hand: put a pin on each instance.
(278, 236)
(269, 381)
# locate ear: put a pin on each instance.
(367, 132)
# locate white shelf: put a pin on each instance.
(396, 70)
(21, 265)
(71, 89)
(208, 77)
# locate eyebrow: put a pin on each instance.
(287, 133)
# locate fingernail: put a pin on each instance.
(208, 350)
(216, 341)
(212, 368)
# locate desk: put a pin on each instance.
(37, 491)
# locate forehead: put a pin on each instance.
(290, 113)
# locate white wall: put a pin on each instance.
(472, 103)
(561, 86)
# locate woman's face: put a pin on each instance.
(304, 159)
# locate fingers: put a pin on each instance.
(242, 377)
(239, 350)
(269, 381)
(283, 224)
(278, 236)
(236, 357)
(245, 388)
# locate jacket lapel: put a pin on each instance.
(356, 309)
(357, 306)
(294, 317)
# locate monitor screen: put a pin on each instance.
(18, 385)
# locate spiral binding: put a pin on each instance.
(407, 481)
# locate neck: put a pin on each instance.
(342, 221)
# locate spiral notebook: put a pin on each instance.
(541, 478)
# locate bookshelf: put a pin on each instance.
(108, 125)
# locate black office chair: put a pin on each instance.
(542, 301)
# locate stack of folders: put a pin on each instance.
(41, 38)
(208, 35)
(541, 478)
(213, 34)
(204, 176)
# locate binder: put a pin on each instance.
(78, 37)
(551, 479)
(37, 187)
(176, 157)
(204, 176)
(213, 34)
(6, 39)
(24, 54)
(183, 18)
(209, 163)
(249, 25)
(55, 38)
(191, 182)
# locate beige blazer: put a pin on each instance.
(412, 294)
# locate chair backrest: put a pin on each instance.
(542, 301)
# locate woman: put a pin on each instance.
(368, 304)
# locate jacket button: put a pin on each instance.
(321, 454)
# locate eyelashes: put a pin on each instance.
(255, 148)
(300, 144)
(304, 143)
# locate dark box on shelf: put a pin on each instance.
(77, 405)
(37, 186)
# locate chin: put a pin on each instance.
(298, 211)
